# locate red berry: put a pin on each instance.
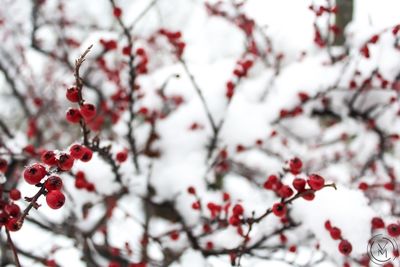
(374, 39)
(13, 225)
(303, 96)
(279, 209)
(15, 194)
(174, 235)
(12, 210)
(49, 158)
(3, 165)
(80, 183)
(308, 196)
(73, 94)
(140, 51)
(226, 197)
(365, 51)
(53, 183)
(209, 245)
(377, 223)
(282, 238)
(345, 247)
(299, 184)
(90, 187)
(87, 154)
(328, 225)
(122, 156)
(117, 12)
(237, 210)
(65, 162)
(76, 151)
(335, 233)
(73, 115)
(196, 205)
(285, 191)
(234, 220)
(295, 165)
(293, 248)
(126, 50)
(34, 173)
(88, 111)
(55, 199)
(389, 186)
(316, 182)
(363, 186)
(271, 182)
(191, 190)
(393, 230)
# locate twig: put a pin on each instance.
(10, 242)
(132, 78)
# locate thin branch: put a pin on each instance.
(200, 94)
(132, 79)
(12, 246)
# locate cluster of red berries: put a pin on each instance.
(56, 162)
(241, 70)
(222, 165)
(86, 111)
(237, 213)
(82, 183)
(273, 183)
(319, 11)
(344, 246)
(108, 44)
(364, 50)
(314, 181)
(34, 174)
(318, 39)
(141, 67)
(80, 152)
(65, 161)
(216, 209)
(174, 38)
(10, 212)
(197, 204)
(390, 186)
(285, 113)
(377, 80)
(240, 19)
